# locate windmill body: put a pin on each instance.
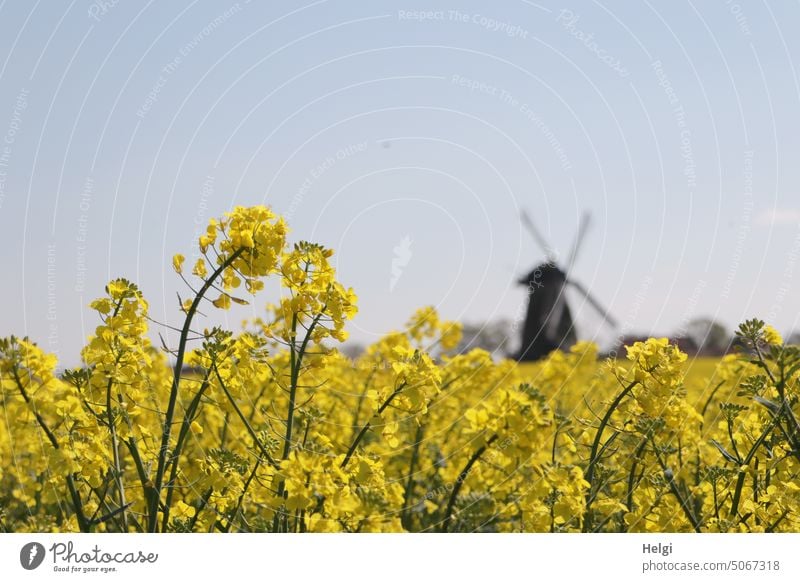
(548, 322)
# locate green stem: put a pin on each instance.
(708, 401)
(155, 495)
(115, 451)
(296, 357)
(83, 523)
(203, 502)
(733, 440)
(243, 418)
(593, 458)
(461, 478)
(297, 362)
(241, 497)
(673, 487)
(737, 494)
(367, 426)
(637, 457)
(185, 426)
(404, 516)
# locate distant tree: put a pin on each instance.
(352, 350)
(708, 335)
(491, 336)
(793, 338)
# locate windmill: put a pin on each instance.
(548, 322)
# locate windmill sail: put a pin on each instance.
(583, 226)
(594, 303)
(537, 236)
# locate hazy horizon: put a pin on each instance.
(409, 142)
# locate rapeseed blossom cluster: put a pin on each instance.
(272, 428)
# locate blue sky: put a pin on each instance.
(407, 136)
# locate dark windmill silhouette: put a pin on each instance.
(548, 322)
